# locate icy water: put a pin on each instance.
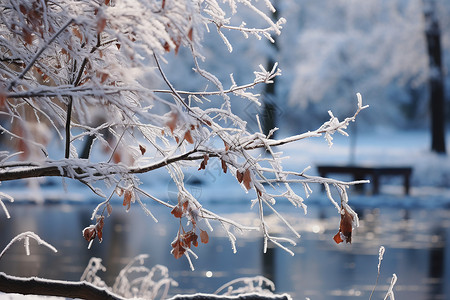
(416, 241)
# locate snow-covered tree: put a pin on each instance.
(84, 96)
(330, 49)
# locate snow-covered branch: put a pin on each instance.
(89, 78)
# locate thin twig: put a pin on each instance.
(70, 104)
(38, 54)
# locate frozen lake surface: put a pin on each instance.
(416, 242)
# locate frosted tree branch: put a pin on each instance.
(26, 237)
(82, 67)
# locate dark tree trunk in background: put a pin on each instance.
(269, 98)
(436, 78)
(269, 107)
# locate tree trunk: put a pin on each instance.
(269, 107)
(436, 78)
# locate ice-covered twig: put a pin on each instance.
(256, 284)
(26, 237)
(39, 53)
(380, 258)
(390, 292)
(11, 199)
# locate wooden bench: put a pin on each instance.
(371, 173)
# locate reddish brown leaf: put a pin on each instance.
(224, 165)
(190, 237)
(247, 179)
(188, 137)
(178, 249)
(204, 238)
(172, 123)
(239, 176)
(103, 76)
(109, 208)
(177, 212)
(101, 24)
(345, 228)
(142, 148)
(226, 146)
(118, 46)
(177, 139)
(163, 4)
(27, 36)
(190, 33)
(204, 162)
(23, 9)
(2, 96)
(107, 2)
(127, 198)
(177, 44)
(99, 228)
(77, 33)
(89, 233)
(185, 205)
(337, 238)
(166, 47)
(116, 157)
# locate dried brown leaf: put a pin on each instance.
(185, 205)
(172, 123)
(224, 165)
(204, 238)
(23, 9)
(99, 228)
(239, 176)
(109, 208)
(190, 34)
(101, 24)
(77, 33)
(204, 162)
(2, 96)
(178, 249)
(177, 212)
(166, 47)
(142, 149)
(188, 137)
(127, 198)
(345, 228)
(27, 36)
(190, 237)
(247, 179)
(102, 75)
(89, 233)
(337, 238)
